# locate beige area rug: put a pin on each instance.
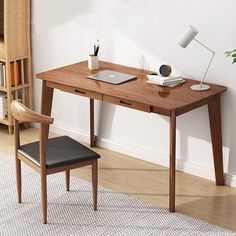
(71, 213)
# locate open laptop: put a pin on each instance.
(112, 77)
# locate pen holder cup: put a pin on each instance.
(93, 62)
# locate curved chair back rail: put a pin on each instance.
(24, 114)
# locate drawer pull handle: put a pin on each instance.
(79, 91)
(125, 103)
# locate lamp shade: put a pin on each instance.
(188, 36)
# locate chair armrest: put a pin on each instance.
(23, 114)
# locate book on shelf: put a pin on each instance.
(170, 81)
(3, 106)
(14, 81)
(2, 74)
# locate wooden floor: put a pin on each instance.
(196, 197)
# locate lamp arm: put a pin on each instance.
(204, 45)
(213, 54)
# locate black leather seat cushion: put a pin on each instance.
(60, 151)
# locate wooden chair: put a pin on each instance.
(49, 156)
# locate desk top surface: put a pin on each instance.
(136, 90)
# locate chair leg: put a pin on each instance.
(95, 183)
(18, 179)
(44, 196)
(67, 173)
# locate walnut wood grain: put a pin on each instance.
(126, 103)
(24, 114)
(172, 161)
(216, 137)
(28, 162)
(95, 182)
(77, 91)
(162, 98)
(46, 102)
(92, 137)
(43, 170)
(17, 160)
(139, 95)
(68, 167)
(67, 175)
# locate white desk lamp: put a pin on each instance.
(184, 42)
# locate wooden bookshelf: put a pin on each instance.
(15, 53)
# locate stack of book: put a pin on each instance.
(170, 81)
(3, 105)
(2, 74)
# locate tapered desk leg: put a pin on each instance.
(92, 138)
(46, 102)
(216, 137)
(172, 162)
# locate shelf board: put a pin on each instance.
(3, 89)
(5, 122)
(18, 87)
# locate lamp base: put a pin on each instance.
(199, 87)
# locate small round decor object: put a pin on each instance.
(165, 70)
(200, 87)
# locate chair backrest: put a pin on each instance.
(24, 114)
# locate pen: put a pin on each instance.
(96, 48)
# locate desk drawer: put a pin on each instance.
(127, 103)
(77, 91)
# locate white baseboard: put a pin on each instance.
(230, 180)
(145, 155)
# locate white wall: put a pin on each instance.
(63, 32)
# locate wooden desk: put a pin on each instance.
(139, 95)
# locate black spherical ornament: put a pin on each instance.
(165, 70)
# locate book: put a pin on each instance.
(173, 84)
(14, 82)
(4, 75)
(160, 77)
(169, 81)
(163, 79)
(13, 75)
(3, 106)
(2, 80)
